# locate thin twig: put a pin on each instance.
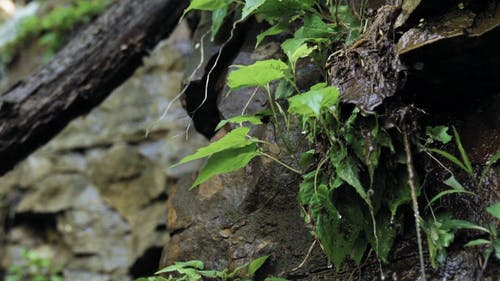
(306, 257)
(411, 182)
(281, 163)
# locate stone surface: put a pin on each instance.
(95, 198)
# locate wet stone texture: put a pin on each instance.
(95, 198)
(102, 200)
(367, 72)
(234, 218)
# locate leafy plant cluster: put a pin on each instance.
(195, 271)
(36, 268)
(355, 174)
(50, 30)
(342, 196)
(441, 228)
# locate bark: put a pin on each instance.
(82, 75)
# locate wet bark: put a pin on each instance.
(82, 75)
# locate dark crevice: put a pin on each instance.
(455, 81)
(200, 100)
(147, 264)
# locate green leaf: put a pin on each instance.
(450, 158)
(250, 7)
(256, 264)
(446, 192)
(254, 119)
(218, 17)
(258, 74)
(348, 171)
(226, 161)
(314, 27)
(234, 139)
(307, 158)
(206, 5)
(400, 192)
(386, 232)
(359, 249)
(191, 274)
(457, 188)
(496, 246)
(309, 104)
(338, 228)
(296, 49)
(273, 30)
(494, 210)
(306, 188)
(275, 279)
(284, 90)
(439, 237)
(438, 133)
(461, 224)
(452, 182)
(180, 265)
(465, 158)
(477, 242)
(274, 10)
(211, 273)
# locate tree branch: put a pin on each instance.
(82, 75)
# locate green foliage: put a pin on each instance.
(232, 152)
(439, 236)
(464, 164)
(449, 225)
(195, 271)
(338, 194)
(439, 133)
(51, 29)
(258, 74)
(441, 231)
(254, 119)
(310, 104)
(356, 175)
(36, 268)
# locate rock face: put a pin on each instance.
(95, 198)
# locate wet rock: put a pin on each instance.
(127, 180)
(236, 217)
(454, 24)
(95, 196)
(54, 194)
(367, 72)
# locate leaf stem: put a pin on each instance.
(281, 163)
(411, 182)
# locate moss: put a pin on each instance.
(51, 29)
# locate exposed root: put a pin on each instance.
(219, 53)
(200, 64)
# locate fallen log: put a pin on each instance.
(82, 75)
